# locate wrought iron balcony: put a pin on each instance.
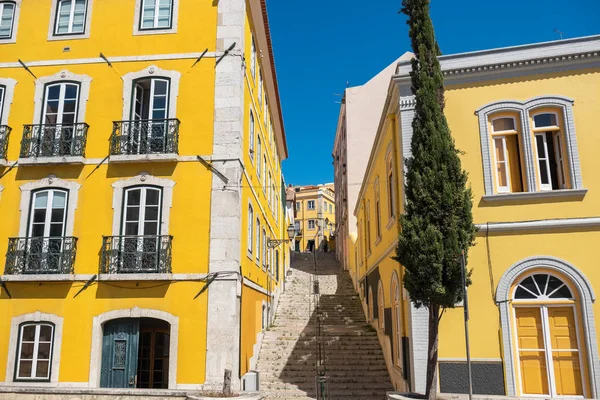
(40, 255)
(298, 232)
(153, 136)
(136, 255)
(54, 140)
(4, 134)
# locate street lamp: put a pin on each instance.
(291, 231)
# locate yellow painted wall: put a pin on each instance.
(252, 302)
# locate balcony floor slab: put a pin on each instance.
(51, 160)
(136, 158)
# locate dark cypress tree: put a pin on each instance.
(437, 225)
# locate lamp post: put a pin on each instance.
(291, 231)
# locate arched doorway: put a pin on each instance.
(548, 337)
(135, 353)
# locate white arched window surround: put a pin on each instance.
(150, 72)
(142, 180)
(15, 26)
(13, 345)
(9, 94)
(51, 182)
(97, 337)
(586, 297)
(525, 110)
(84, 82)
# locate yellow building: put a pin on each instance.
(140, 192)
(315, 218)
(524, 119)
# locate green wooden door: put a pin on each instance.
(120, 353)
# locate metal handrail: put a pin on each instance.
(54, 140)
(146, 136)
(40, 255)
(4, 134)
(129, 254)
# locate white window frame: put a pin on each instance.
(308, 206)
(63, 76)
(546, 160)
(48, 215)
(250, 238)
(258, 247)
(15, 22)
(141, 220)
(151, 72)
(501, 189)
(61, 102)
(9, 92)
(311, 224)
(541, 131)
(143, 179)
(53, 36)
(51, 182)
(560, 159)
(34, 360)
(137, 22)
(14, 346)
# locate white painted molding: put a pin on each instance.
(136, 158)
(13, 37)
(172, 29)
(103, 277)
(50, 182)
(567, 223)
(149, 180)
(113, 60)
(135, 312)
(9, 94)
(255, 286)
(547, 194)
(151, 72)
(87, 28)
(51, 160)
(64, 75)
(13, 344)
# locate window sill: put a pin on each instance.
(4, 163)
(141, 32)
(151, 277)
(40, 278)
(8, 40)
(536, 195)
(132, 158)
(51, 160)
(73, 36)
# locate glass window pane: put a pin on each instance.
(42, 369)
(41, 200)
(133, 197)
(71, 91)
(553, 284)
(543, 120)
(160, 87)
(38, 230)
(43, 351)
(528, 284)
(27, 351)
(25, 369)
(59, 200)
(54, 92)
(562, 293)
(39, 215)
(131, 228)
(56, 230)
(160, 102)
(28, 333)
(153, 197)
(503, 124)
(151, 228)
(132, 214)
(57, 215)
(543, 172)
(151, 213)
(45, 333)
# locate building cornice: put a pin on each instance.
(531, 58)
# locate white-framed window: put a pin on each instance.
(549, 151)
(381, 305)
(311, 224)
(251, 138)
(35, 351)
(48, 213)
(397, 320)
(507, 154)
(501, 165)
(260, 88)
(253, 58)
(61, 103)
(8, 13)
(330, 209)
(298, 205)
(264, 247)
(70, 17)
(141, 210)
(258, 241)
(258, 157)
(156, 14)
(310, 205)
(324, 206)
(250, 228)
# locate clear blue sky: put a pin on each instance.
(319, 46)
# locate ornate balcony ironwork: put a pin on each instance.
(4, 134)
(54, 140)
(136, 255)
(299, 232)
(153, 136)
(40, 255)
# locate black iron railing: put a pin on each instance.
(4, 134)
(155, 136)
(54, 140)
(298, 232)
(40, 255)
(136, 254)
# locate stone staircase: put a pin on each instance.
(351, 354)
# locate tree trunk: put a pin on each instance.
(432, 355)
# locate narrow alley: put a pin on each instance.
(344, 348)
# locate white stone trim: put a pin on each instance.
(255, 286)
(1, 189)
(13, 38)
(50, 182)
(524, 110)
(587, 298)
(141, 180)
(51, 160)
(64, 75)
(103, 277)
(535, 195)
(150, 72)
(135, 312)
(14, 341)
(172, 29)
(9, 94)
(87, 28)
(566, 223)
(113, 60)
(136, 158)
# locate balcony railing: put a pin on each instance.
(4, 134)
(136, 255)
(156, 136)
(54, 140)
(298, 232)
(40, 255)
